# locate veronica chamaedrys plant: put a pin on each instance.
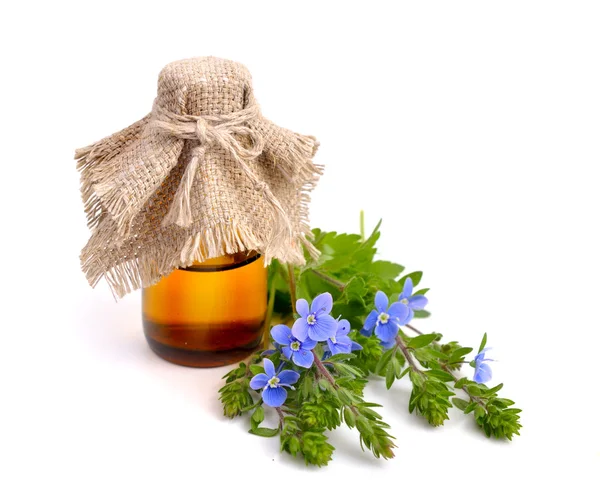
(298, 351)
(386, 320)
(315, 322)
(330, 387)
(272, 384)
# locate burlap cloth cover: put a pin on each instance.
(203, 175)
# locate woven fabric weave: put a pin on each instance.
(203, 175)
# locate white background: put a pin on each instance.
(471, 127)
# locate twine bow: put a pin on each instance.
(224, 131)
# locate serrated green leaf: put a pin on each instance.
(385, 269)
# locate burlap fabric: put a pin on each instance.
(203, 175)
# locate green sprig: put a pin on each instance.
(331, 392)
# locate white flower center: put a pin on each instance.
(295, 346)
(404, 301)
(333, 339)
(383, 318)
(274, 382)
(311, 320)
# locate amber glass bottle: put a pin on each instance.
(209, 314)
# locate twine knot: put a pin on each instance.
(229, 132)
(202, 131)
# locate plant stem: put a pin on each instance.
(400, 343)
(270, 307)
(324, 371)
(325, 277)
(281, 417)
(292, 280)
(362, 226)
(414, 329)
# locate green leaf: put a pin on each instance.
(422, 314)
(422, 340)
(459, 354)
(264, 432)
(494, 390)
(461, 382)
(259, 415)
(440, 375)
(256, 369)
(384, 360)
(390, 375)
(385, 269)
(461, 404)
(341, 357)
(483, 342)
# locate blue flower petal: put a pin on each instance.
(339, 348)
(274, 396)
(302, 308)
(381, 301)
(343, 327)
(409, 318)
(281, 334)
(399, 312)
(259, 381)
(386, 332)
(308, 344)
(288, 377)
(480, 357)
(287, 351)
(324, 328)
(370, 322)
(300, 329)
(322, 304)
(388, 345)
(356, 347)
(417, 302)
(303, 358)
(269, 368)
(408, 288)
(483, 373)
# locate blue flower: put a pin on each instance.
(483, 372)
(273, 384)
(414, 302)
(339, 342)
(386, 321)
(300, 352)
(315, 322)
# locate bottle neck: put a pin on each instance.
(223, 263)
